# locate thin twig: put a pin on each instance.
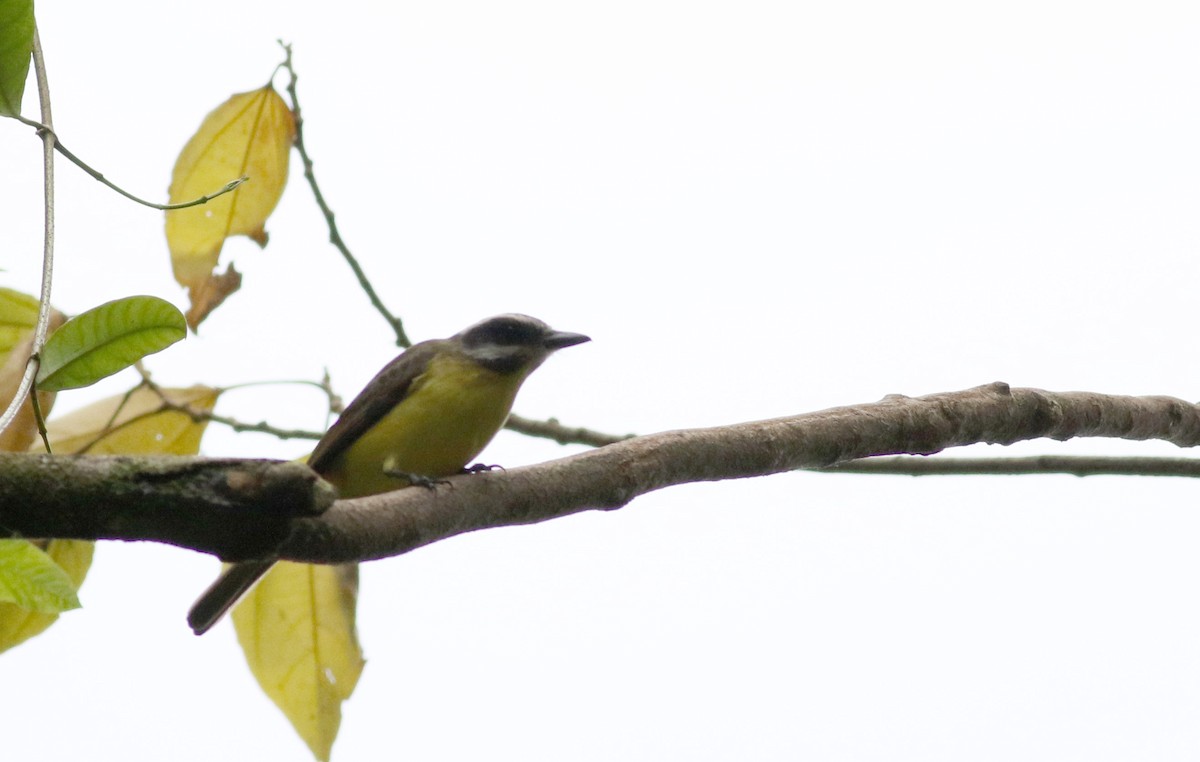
(552, 429)
(197, 416)
(262, 427)
(111, 425)
(41, 422)
(335, 237)
(43, 319)
(42, 129)
(325, 385)
(1086, 465)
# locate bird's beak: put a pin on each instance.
(562, 339)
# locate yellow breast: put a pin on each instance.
(450, 413)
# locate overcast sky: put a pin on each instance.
(755, 209)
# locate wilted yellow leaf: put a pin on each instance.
(22, 432)
(297, 631)
(248, 135)
(17, 624)
(135, 424)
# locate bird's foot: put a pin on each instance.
(415, 480)
(480, 468)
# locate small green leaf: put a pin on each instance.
(107, 339)
(16, 44)
(31, 579)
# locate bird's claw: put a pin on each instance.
(480, 468)
(415, 480)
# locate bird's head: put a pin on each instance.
(514, 343)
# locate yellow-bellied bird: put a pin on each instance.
(424, 416)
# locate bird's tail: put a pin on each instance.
(220, 596)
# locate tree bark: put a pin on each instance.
(238, 514)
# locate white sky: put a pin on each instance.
(756, 209)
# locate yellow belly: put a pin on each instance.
(450, 413)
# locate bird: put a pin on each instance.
(423, 417)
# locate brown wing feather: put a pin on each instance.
(379, 396)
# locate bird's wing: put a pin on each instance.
(376, 399)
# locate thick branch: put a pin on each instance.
(610, 477)
(248, 504)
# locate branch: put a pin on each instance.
(42, 131)
(1072, 465)
(262, 427)
(545, 429)
(180, 501)
(610, 477)
(603, 479)
(335, 236)
(564, 435)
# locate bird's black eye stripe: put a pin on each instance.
(504, 331)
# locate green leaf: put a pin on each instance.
(107, 339)
(18, 624)
(16, 45)
(31, 579)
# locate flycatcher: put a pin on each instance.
(424, 416)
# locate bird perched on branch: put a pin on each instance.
(423, 417)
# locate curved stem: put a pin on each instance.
(41, 328)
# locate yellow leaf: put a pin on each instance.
(135, 424)
(134, 428)
(248, 135)
(17, 624)
(297, 631)
(22, 432)
(18, 314)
